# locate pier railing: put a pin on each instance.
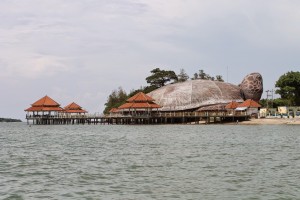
(63, 116)
(137, 118)
(138, 115)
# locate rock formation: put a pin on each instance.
(194, 94)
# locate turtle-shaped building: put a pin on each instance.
(194, 94)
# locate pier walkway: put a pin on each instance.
(151, 118)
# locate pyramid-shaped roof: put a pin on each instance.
(140, 97)
(232, 105)
(249, 103)
(45, 102)
(74, 108)
(41, 108)
(114, 110)
(141, 105)
(140, 101)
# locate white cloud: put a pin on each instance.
(91, 47)
(30, 65)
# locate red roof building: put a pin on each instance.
(139, 101)
(249, 103)
(140, 97)
(74, 108)
(45, 104)
(232, 105)
(249, 106)
(114, 110)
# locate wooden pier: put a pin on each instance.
(151, 118)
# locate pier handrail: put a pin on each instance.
(141, 115)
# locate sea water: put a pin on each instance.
(149, 162)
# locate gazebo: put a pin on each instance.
(74, 108)
(139, 104)
(44, 106)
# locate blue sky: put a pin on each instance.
(75, 50)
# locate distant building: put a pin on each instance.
(139, 104)
(74, 108)
(44, 106)
(249, 106)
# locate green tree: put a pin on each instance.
(145, 89)
(134, 92)
(195, 77)
(182, 76)
(9, 120)
(279, 102)
(148, 89)
(203, 75)
(289, 87)
(263, 102)
(115, 99)
(219, 78)
(273, 103)
(159, 77)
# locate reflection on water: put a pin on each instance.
(149, 162)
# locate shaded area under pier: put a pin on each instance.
(152, 118)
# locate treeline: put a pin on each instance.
(9, 120)
(273, 103)
(158, 78)
(288, 87)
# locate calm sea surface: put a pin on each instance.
(149, 162)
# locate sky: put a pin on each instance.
(81, 50)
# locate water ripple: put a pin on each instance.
(149, 162)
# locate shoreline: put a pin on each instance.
(270, 121)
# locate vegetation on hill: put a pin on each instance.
(157, 79)
(273, 103)
(115, 99)
(160, 78)
(182, 76)
(289, 87)
(202, 75)
(9, 120)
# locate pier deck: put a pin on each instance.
(153, 118)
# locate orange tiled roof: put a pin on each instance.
(249, 103)
(45, 104)
(114, 110)
(45, 101)
(75, 111)
(41, 108)
(232, 105)
(74, 108)
(137, 105)
(140, 97)
(140, 100)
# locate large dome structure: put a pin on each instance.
(194, 94)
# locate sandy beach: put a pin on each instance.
(274, 121)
